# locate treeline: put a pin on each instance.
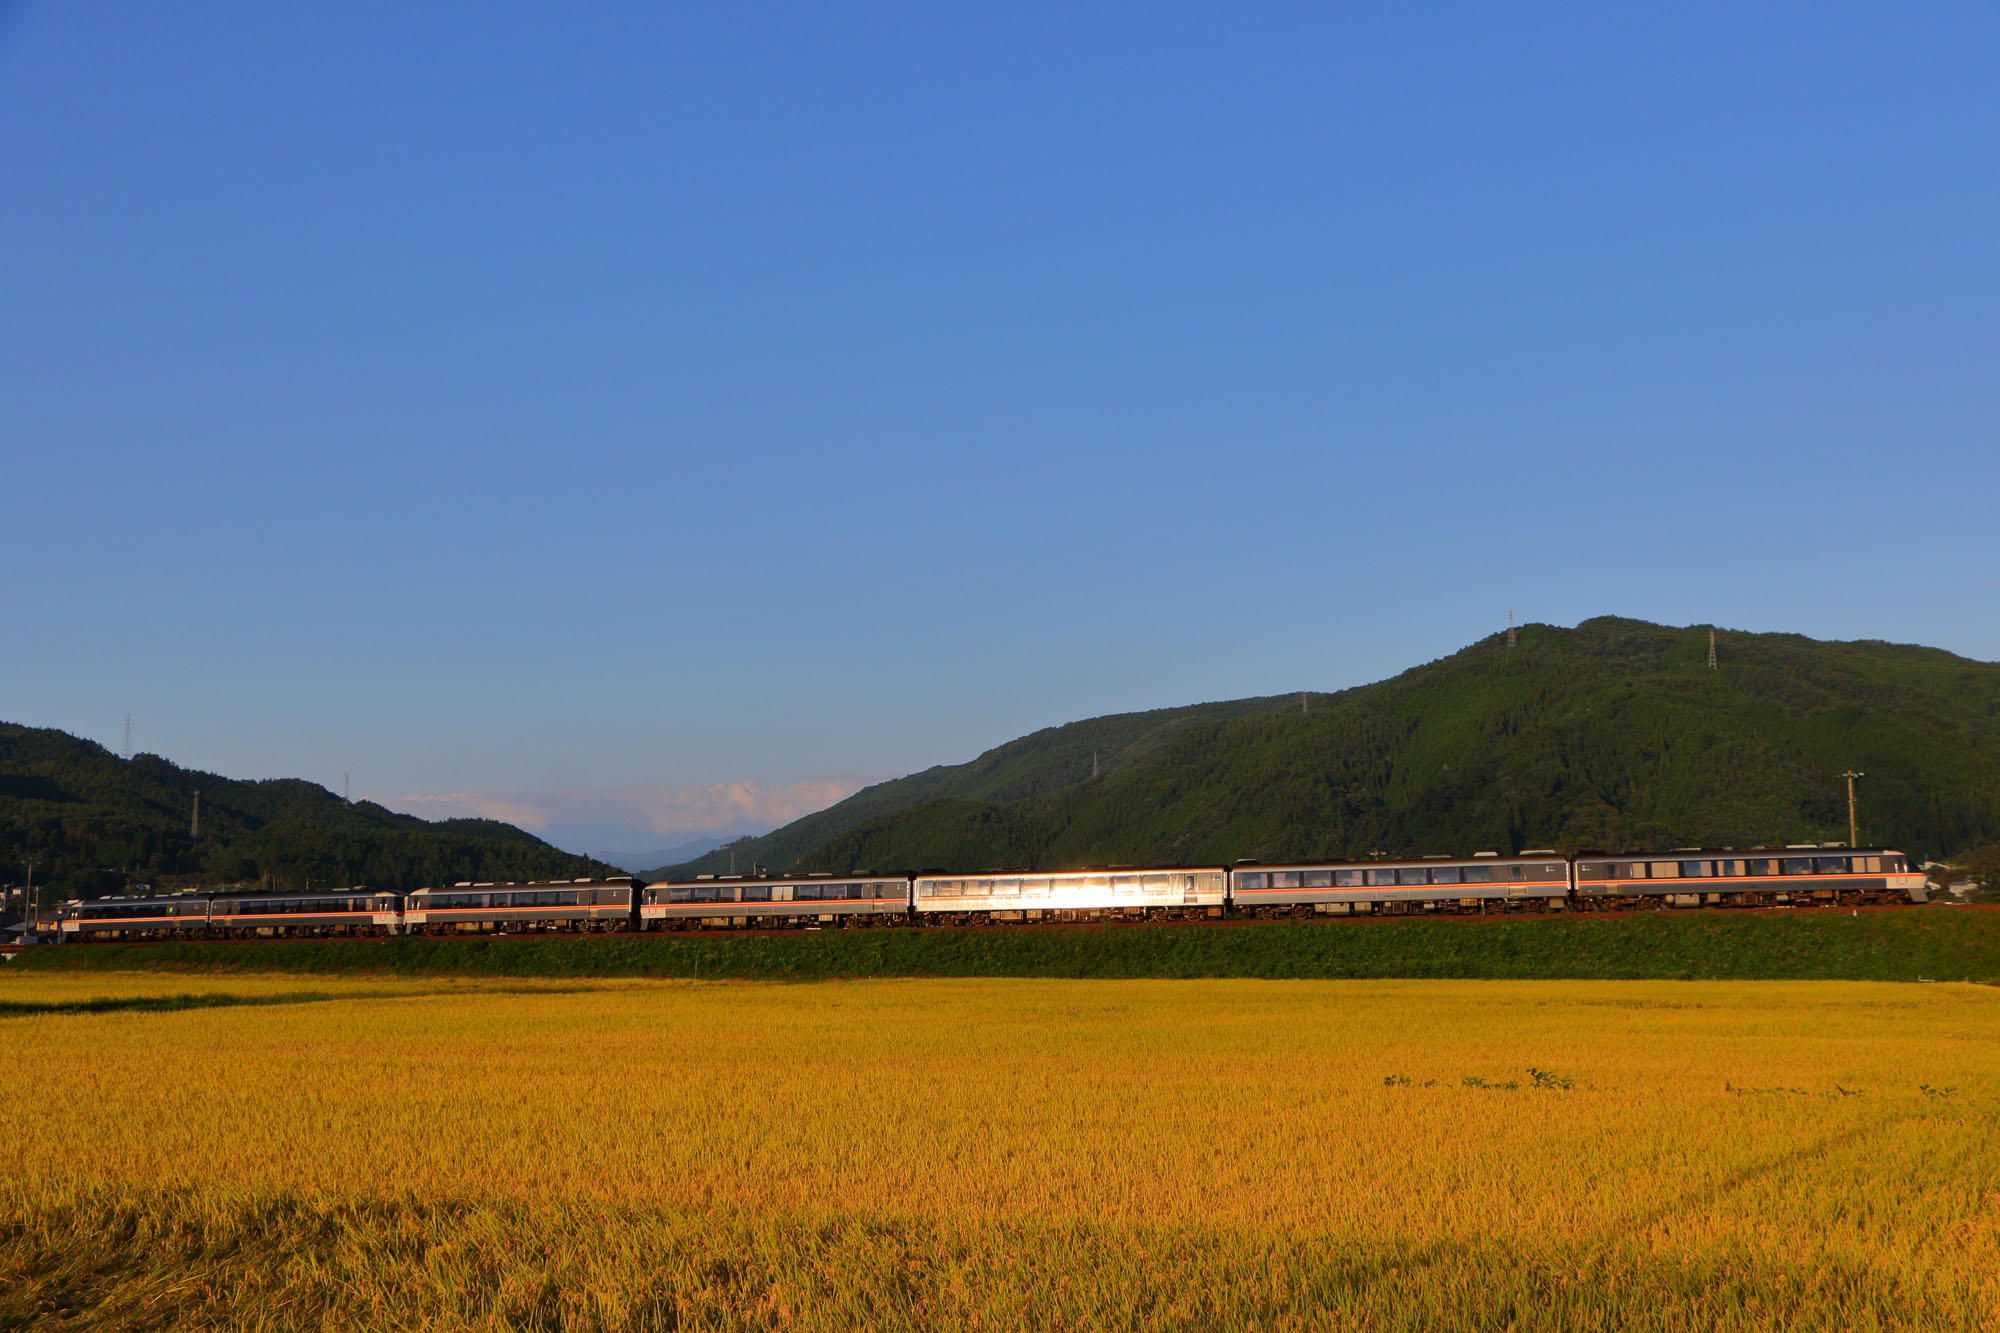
(93, 823)
(1613, 735)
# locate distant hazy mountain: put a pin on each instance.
(1614, 734)
(72, 806)
(641, 862)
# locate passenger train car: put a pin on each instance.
(785, 900)
(179, 916)
(581, 904)
(1532, 881)
(1695, 877)
(346, 912)
(1068, 895)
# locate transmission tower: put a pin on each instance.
(1711, 647)
(128, 735)
(1510, 629)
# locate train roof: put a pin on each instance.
(358, 891)
(1787, 849)
(621, 881)
(1058, 874)
(119, 899)
(1428, 859)
(816, 877)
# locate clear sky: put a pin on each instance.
(640, 409)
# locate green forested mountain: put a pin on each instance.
(76, 809)
(1614, 734)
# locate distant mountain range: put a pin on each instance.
(659, 856)
(1615, 734)
(77, 809)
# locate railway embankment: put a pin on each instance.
(1937, 943)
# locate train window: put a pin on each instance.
(1251, 880)
(1446, 875)
(1833, 865)
(1316, 879)
(1006, 888)
(1347, 879)
(809, 893)
(1763, 866)
(1477, 874)
(1795, 865)
(1284, 879)
(1413, 875)
(1376, 877)
(756, 893)
(1665, 869)
(1894, 865)
(1517, 873)
(1697, 869)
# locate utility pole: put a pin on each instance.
(194, 825)
(31, 916)
(1853, 826)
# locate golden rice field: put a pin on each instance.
(316, 1152)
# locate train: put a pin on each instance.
(1819, 874)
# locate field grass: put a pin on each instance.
(1935, 943)
(275, 1152)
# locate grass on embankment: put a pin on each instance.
(1937, 943)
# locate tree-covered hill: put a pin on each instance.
(76, 809)
(1048, 760)
(1614, 734)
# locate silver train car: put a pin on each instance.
(580, 904)
(1183, 894)
(356, 911)
(1833, 874)
(178, 916)
(1532, 881)
(784, 900)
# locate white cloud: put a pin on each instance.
(665, 812)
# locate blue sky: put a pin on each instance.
(656, 404)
